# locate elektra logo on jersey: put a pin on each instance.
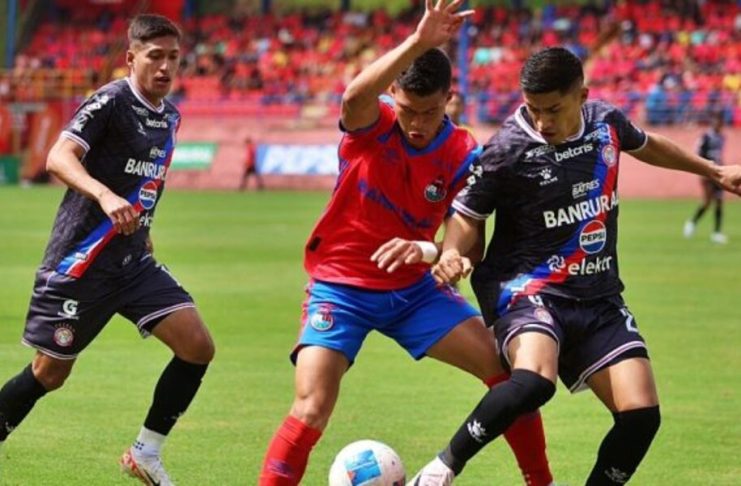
(585, 266)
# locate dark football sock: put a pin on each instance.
(698, 214)
(718, 216)
(624, 446)
(17, 398)
(524, 392)
(174, 391)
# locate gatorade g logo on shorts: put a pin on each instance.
(593, 237)
(322, 319)
(148, 195)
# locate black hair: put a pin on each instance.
(429, 73)
(552, 69)
(146, 27)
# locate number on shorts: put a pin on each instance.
(629, 322)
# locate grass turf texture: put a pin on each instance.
(240, 256)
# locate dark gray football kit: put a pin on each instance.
(551, 265)
(710, 147)
(90, 272)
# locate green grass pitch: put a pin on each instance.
(240, 256)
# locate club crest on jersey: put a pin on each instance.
(593, 237)
(435, 191)
(609, 155)
(64, 335)
(322, 319)
(148, 195)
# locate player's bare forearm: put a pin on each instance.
(476, 253)
(663, 152)
(464, 235)
(64, 162)
(360, 100)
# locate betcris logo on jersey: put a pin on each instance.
(572, 152)
(593, 237)
(156, 123)
(148, 195)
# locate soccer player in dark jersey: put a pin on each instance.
(114, 155)
(549, 282)
(369, 255)
(710, 146)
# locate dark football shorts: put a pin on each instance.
(591, 335)
(66, 313)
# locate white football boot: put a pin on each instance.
(436, 473)
(149, 470)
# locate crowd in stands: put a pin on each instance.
(680, 60)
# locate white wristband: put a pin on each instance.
(429, 251)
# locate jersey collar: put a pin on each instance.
(143, 100)
(441, 136)
(524, 123)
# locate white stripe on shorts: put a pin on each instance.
(581, 382)
(48, 352)
(548, 330)
(162, 312)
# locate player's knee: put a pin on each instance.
(532, 390)
(641, 424)
(313, 410)
(200, 349)
(51, 373)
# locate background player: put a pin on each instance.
(114, 156)
(710, 146)
(400, 168)
(456, 108)
(549, 283)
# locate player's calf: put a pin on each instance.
(524, 392)
(17, 398)
(624, 446)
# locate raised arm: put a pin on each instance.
(360, 100)
(663, 152)
(64, 162)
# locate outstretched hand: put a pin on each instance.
(730, 178)
(441, 22)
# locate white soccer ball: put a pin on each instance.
(367, 463)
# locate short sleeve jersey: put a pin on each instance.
(129, 144)
(556, 207)
(386, 189)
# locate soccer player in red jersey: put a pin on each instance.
(369, 255)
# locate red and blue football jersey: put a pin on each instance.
(386, 188)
